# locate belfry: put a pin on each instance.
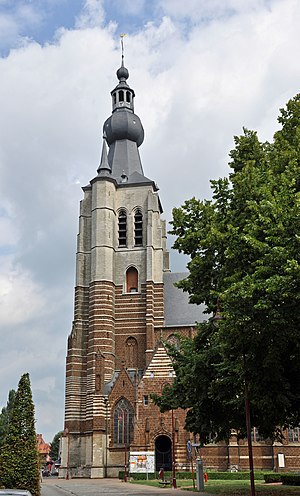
(126, 306)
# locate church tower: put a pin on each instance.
(119, 302)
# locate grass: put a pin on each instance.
(233, 488)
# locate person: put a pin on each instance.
(161, 473)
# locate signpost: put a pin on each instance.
(190, 457)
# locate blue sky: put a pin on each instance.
(39, 20)
(200, 70)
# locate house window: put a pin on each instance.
(255, 436)
(123, 423)
(146, 400)
(293, 435)
(132, 280)
(122, 228)
(138, 228)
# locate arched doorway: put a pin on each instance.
(163, 453)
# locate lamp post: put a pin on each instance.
(106, 436)
(174, 483)
(125, 443)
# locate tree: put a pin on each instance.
(244, 248)
(19, 461)
(4, 416)
(54, 453)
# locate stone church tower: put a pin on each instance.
(125, 307)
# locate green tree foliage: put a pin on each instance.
(54, 453)
(4, 416)
(244, 248)
(19, 462)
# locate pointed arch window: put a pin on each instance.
(122, 228)
(121, 96)
(138, 228)
(132, 280)
(123, 423)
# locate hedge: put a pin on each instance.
(188, 475)
(234, 475)
(272, 477)
(290, 479)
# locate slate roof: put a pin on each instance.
(178, 310)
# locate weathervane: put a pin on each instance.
(122, 36)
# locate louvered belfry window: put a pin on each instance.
(122, 228)
(138, 228)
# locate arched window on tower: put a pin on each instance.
(121, 96)
(138, 228)
(132, 280)
(122, 228)
(123, 422)
(128, 96)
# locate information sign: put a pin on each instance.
(142, 462)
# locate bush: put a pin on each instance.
(272, 477)
(290, 479)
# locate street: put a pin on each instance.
(96, 487)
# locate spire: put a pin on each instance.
(104, 167)
(123, 133)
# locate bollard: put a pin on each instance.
(199, 469)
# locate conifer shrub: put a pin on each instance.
(19, 460)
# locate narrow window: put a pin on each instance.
(146, 400)
(132, 280)
(123, 423)
(128, 96)
(122, 228)
(121, 96)
(138, 228)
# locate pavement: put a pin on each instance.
(96, 487)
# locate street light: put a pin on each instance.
(125, 442)
(106, 436)
(174, 483)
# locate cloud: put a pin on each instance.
(92, 14)
(197, 82)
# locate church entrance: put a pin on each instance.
(163, 453)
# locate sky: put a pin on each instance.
(201, 70)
